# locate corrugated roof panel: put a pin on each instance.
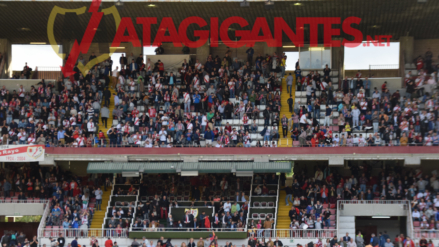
(104, 167)
(189, 166)
(244, 166)
(131, 167)
(272, 167)
(218, 167)
(158, 167)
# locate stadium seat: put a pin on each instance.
(256, 204)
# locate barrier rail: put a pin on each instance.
(294, 233)
(341, 203)
(383, 66)
(107, 143)
(28, 200)
(82, 232)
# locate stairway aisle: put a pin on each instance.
(285, 142)
(110, 119)
(283, 220)
(99, 215)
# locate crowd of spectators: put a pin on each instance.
(224, 102)
(313, 198)
(174, 112)
(355, 114)
(72, 199)
(227, 195)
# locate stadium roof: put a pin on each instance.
(25, 22)
(202, 167)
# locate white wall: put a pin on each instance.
(20, 209)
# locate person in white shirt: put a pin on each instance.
(91, 127)
(31, 139)
(227, 207)
(114, 75)
(148, 144)
(416, 215)
(163, 135)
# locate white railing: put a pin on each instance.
(341, 203)
(46, 211)
(180, 229)
(135, 209)
(430, 234)
(296, 233)
(109, 202)
(249, 202)
(277, 202)
(410, 221)
(82, 232)
(28, 200)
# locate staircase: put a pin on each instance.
(111, 108)
(285, 142)
(346, 224)
(283, 220)
(99, 215)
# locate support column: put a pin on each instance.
(269, 50)
(203, 52)
(65, 48)
(406, 47)
(6, 50)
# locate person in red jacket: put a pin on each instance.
(109, 243)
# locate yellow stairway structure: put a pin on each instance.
(286, 142)
(99, 215)
(110, 119)
(283, 220)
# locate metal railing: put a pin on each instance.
(341, 203)
(383, 66)
(42, 224)
(277, 202)
(46, 72)
(28, 200)
(431, 234)
(250, 194)
(188, 229)
(82, 232)
(294, 233)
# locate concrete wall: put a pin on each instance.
(373, 210)
(391, 226)
(422, 45)
(374, 73)
(11, 84)
(20, 209)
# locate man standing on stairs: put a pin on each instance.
(289, 197)
(284, 122)
(107, 95)
(105, 114)
(290, 103)
(290, 84)
(98, 194)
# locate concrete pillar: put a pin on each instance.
(129, 48)
(6, 50)
(203, 52)
(269, 50)
(65, 48)
(406, 47)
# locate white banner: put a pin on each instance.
(22, 153)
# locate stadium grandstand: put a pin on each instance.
(268, 134)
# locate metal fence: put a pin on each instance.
(28, 200)
(383, 66)
(82, 232)
(294, 233)
(341, 203)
